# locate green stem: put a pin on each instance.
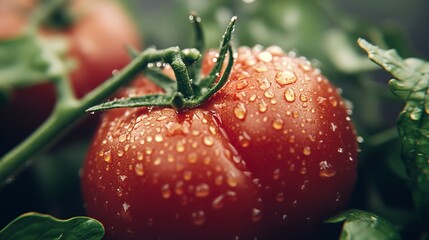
(68, 109)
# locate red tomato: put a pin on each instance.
(270, 156)
(97, 41)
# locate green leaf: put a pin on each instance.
(411, 84)
(140, 101)
(40, 226)
(27, 59)
(361, 225)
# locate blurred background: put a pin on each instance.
(324, 31)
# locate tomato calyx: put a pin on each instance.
(54, 14)
(189, 89)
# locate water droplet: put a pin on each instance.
(333, 101)
(241, 84)
(240, 111)
(263, 106)
(158, 138)
(252, 98)
(232, 180)
(140, 156)
(280, 197)
(327, 173)
(122, 138)
(277, 123)
(179, 188)
(242, 75)
(180, 146)
(265, 56)
(326, 170)
(268, 94)
(303, 97)
(198, 217)
(208, 141)
(165, 191)
(244, 139)
(264, 83)
(218, 202)
(187, 175)
(120, 153)
(219, 180)
(202, 190)
(340, 150)
(276, 173)
(107, 156)
(139, 169)
(289, 95)
(157, 161)
(260, 69)
(285, 77)
(306, 151)
(192, 158)
(256, 215)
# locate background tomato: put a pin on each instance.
(97, 42)
(270, 156)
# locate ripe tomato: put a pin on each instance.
(97, 40)
(269, 156)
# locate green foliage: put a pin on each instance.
(39, 226)
(411, 84)
(361, 225)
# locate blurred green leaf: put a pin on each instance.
(40, 226)
(410, 83)
(27, 60)
(361, 225)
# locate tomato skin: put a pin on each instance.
(97, 41)
(293, 162)
(292, 128)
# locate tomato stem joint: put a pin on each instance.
(189, 89)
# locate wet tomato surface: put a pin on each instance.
(269, 156)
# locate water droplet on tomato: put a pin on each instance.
(202, 190)
(306, 151)
(140, 156)
(242, 75)
(187, 175)
(240, 111)
(218, 180)
(139, 169)
(218, 202)
(192, 158)
(263, 106)
(241, 84)
(268, 94)
(285, 77)
(333, 101)
(198, 217)
(120, 153)
(280, 197)
(326, 170)
(180, 146)
(122, 138)
(264, 84)
(157, 161)
(244, 139)
(158, 138)
(265, 56)
(179, 188)
(208, 141)
(165, 191)
(256, 215)
(303, 97)
(277, 123)
(107, 156)
(276, 173)
(289, 95)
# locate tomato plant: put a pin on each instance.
(93, 28)
(271, 155)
